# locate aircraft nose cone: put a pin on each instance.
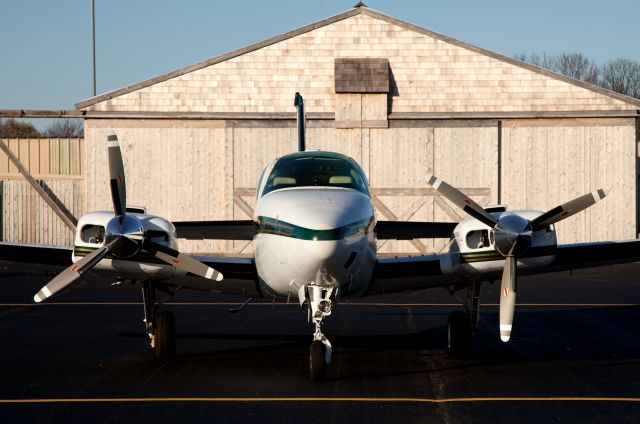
(325, 250)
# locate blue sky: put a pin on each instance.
(45, 60)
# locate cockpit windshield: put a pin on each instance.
(322, 169)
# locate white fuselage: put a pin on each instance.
(315, 236)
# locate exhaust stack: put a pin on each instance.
(299, 104)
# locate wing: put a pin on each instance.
(240, 277)
(588, 255)
(31, 257)
(407, 230)
(422, 272)
(217, 230)
(409, 273)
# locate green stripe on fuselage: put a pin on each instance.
(492, 255)
(144, 257)
(268, 225)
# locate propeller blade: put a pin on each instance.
(508, 297)
(116, 175)
(462, 201)
(182, 261)
(568, 209)
(72, 273)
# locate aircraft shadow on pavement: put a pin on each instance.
(606, 334)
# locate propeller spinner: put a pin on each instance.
(513, 236)
(124, 236)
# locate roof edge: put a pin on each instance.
(221, 58)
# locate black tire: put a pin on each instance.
(317, 366)
(165, 335)
(459, 335)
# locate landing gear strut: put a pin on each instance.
(320, 302)
(462, 325)
(161, 327)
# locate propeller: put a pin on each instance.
(513, 235)
(124, 236)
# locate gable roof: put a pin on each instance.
(358, 9)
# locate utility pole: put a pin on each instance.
(93, 46)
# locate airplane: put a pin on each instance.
(315, 231)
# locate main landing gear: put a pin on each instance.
(319, 302)
(161, 327)
(462, 325)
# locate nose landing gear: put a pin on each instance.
(161, 327)
(319, 302)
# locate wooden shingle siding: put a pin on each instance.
(427, 74)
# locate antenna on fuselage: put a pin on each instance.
(299, 104)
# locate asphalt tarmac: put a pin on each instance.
(83, 356)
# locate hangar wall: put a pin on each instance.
(208, 169)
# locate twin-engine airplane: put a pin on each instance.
(315, 236)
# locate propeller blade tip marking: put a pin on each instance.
(505, 332)
(37, 298)
(599, 194)
(433, 181)
(212, 274)
(45, 290)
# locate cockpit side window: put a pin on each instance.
(92, 234)
(157, 236)
(309, 170)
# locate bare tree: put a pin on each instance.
(622, 76)
(577, 66)
(574, 65)
(535, 59)
(619, 75)
(10, 128)
(65, 128)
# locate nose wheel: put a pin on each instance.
(319, 302)
(161, 327)
(317, 363)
